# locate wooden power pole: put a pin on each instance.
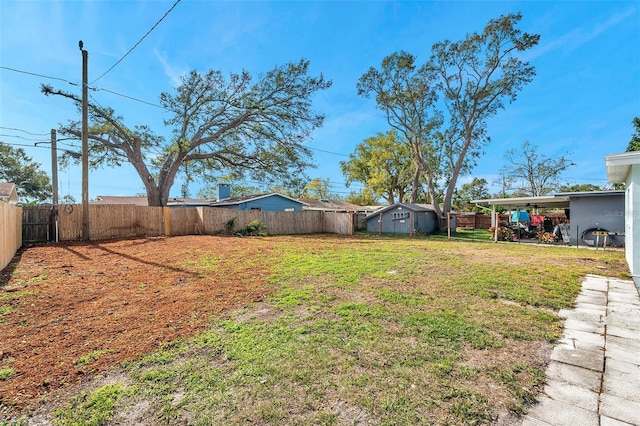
(85, 145)
(54, 186)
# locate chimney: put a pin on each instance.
(224, 191)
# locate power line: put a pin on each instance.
(24, 131)
(139, 41)
(18, 137)
(328, 152)
(130, 97)
(39, 75)
(25, 145)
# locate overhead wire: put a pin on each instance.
(24, 131)
(39, 75)
(139, 41)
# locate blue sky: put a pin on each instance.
(583, 99)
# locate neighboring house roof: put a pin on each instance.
(408, 206)
(324, 204)
(245, 198)
(110, 199)
(8, 192)
(142, 201)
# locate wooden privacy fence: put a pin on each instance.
(119, 220)
(476, 221)
(10, 232)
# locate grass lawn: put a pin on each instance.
(362, 330)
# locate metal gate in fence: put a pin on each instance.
(36, 224)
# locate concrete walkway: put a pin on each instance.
(594, 374)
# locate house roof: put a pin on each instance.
(114, 199)
(246, 198)
(142, 201)
(324, 204)
(619, 165)
(408, 206)
(6, 188)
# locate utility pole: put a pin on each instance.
(54, 179)
(85, 144)
(54, 167)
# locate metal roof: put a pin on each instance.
(557, 201)
(409, 206)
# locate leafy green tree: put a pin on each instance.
(366, 197)
(294, 187)
(477, 189)
(68, 199)
(235, 126)
(583, 187)
(237, 190)
(17, 167)
(442, 108)
(319, 189)
(532, 173)
(382, 164)
(634, 144)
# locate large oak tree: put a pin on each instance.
(234, 126)
(442, 107)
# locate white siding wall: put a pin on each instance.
(632, 227)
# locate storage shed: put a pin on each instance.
(404, 219)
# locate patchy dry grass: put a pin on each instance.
(361, 331)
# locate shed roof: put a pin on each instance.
(409, 206)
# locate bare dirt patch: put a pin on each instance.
(73, 310)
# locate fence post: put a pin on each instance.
(166, 217)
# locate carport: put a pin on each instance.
(592, 215)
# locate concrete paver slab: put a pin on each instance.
(622, 353)
(572, 375)
(632, 322)
(582, 316)
(620, 409)
(595, 282)
(574, 395)
(588, 326)
(596, 339)
(608, 421)
(621, 387)
(590, 360)
(560, 413)
(577, 344)
(530, 421)
(622, 332)
(589, 308)
(624, 369)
